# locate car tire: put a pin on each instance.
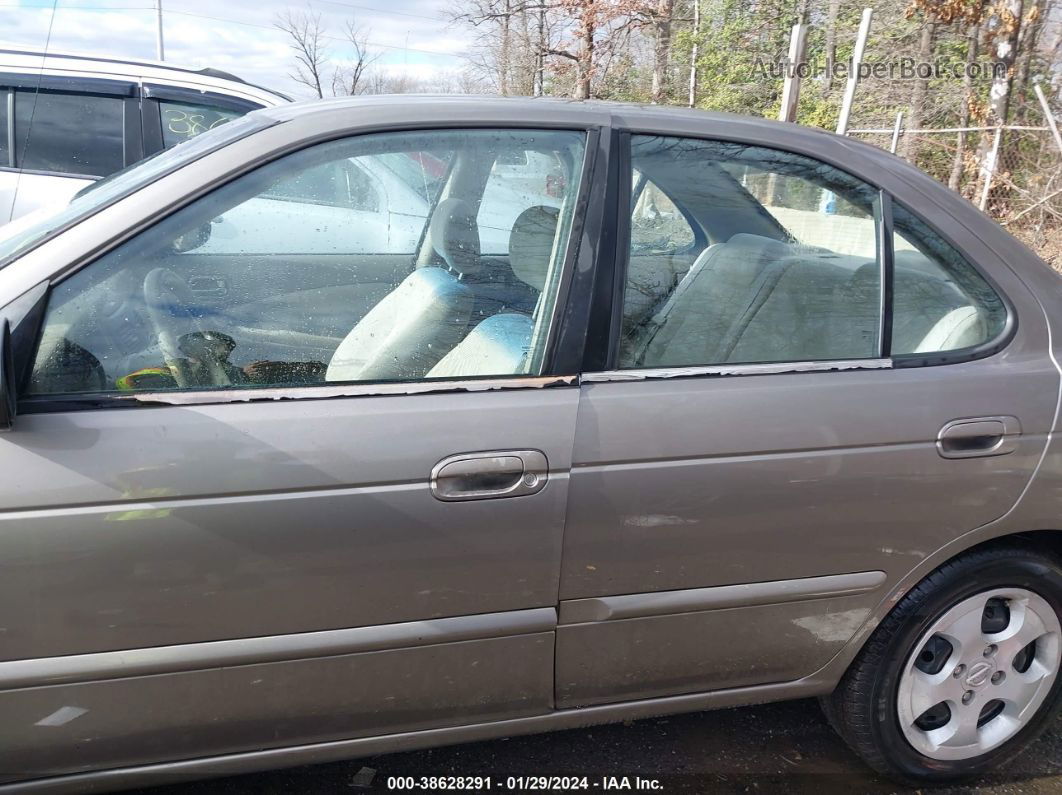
(899, 669)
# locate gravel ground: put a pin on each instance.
(785, 747)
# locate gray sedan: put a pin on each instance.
(731, 411)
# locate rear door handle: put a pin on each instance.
(490, 475)
(979, 436)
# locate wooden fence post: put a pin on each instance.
(896, 132)
(791, 87)
(1048, 115)
(853, 75)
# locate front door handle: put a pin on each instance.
(979, 436)
(490, 475)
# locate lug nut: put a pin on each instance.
(959, 671)
(998, 677)
(967, 697)
(990, 650)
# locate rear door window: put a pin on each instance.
(66, 133)
(184, 120)
(788, 268)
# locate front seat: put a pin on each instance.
(406, 334)
(499, 344)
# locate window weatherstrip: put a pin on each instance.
(43, 404)
(770, 368)
(576, 324)
(624, 211)
(548, 352)
(885, 256)
(10, 100)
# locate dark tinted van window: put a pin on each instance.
(68, 133)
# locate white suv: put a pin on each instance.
(67, 119)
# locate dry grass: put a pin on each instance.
(1047, 242)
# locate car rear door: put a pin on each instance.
(776, 438)
(282, 559)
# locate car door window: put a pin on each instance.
(785, 241)
(358, 205)
(663, 246)
(269, 281)
(657, 225)
(940, 302)
(78, 134)
(184, 120)
(518, 180)
(338, 184)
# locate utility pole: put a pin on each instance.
(160, 51)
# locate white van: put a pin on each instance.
(68, 119)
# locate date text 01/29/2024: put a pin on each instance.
(525, 783)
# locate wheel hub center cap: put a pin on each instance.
(980, 674)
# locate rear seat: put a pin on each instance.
(754, 299)
(720, 288)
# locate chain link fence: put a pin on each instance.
(1013, 173)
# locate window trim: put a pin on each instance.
(192, 96)
(550, 377)
(884, 200)
(959, 355)
(67, 402)
(886, 271)
(99, 86)
(9, 126)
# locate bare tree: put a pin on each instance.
(307, 35)
(598, 28)
(973, 35)
(662, 17)
(832, 10)
(511, 38)
(1004, 25)
(920, 88)
(350, 78)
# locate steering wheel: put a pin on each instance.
(169, 300)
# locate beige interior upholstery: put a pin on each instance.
(499, 344)
(531, 245)
(721, 286)
(407, 332)
(960, 328)
(754, 299)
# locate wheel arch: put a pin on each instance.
(1048, 541)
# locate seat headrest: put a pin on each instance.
(531, 244)
(454, 235)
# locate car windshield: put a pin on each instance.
(23, 234)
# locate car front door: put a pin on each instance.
(778, 439)
(230, 526)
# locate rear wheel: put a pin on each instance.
(963, 673)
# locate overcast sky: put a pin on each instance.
(238, 36)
